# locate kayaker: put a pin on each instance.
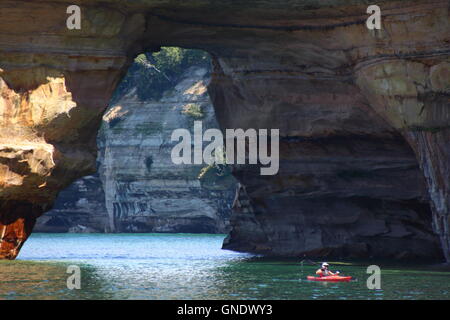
(325, 271)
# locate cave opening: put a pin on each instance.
(137, 187)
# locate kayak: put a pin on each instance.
(330, 278)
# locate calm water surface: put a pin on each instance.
(187, 266)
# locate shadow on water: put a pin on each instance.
(45, 280)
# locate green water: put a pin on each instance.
(185, 266)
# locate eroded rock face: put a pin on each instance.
(432, 148)
(413, 95)
(78, 208)
(344, 98)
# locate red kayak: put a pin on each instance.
(329, 278)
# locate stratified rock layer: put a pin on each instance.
(344, 98)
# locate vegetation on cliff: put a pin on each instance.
(154, 73)
(193, 110)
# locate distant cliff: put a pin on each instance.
(138, 188)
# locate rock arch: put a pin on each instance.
(345, 99)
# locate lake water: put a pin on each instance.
(187, 266)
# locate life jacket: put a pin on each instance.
(323, 272)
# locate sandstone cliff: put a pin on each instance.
(344, 98)
(139, 189)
